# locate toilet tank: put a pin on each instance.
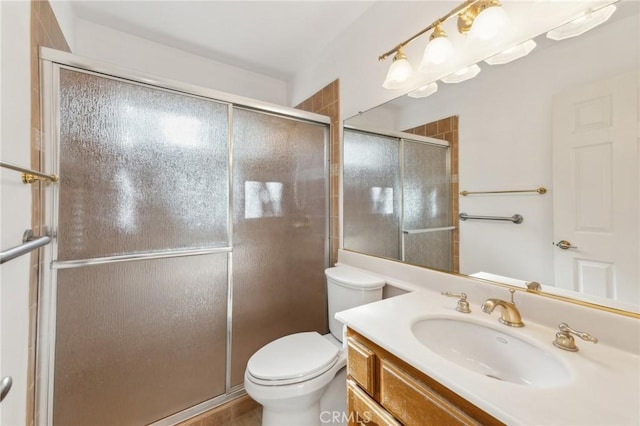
(347, 288)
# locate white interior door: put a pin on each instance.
(596, 188)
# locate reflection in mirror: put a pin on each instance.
(399, 200)
(564, 118)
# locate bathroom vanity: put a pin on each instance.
(383, 389)
(413, 359)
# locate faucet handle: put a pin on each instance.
(533, 286)
(463, 305)
(564, 339)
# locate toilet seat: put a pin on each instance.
(292, 359)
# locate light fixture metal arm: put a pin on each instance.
(458, 9)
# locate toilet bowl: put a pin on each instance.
(300, 379)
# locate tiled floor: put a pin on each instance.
(252, 418)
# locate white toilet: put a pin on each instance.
(300, 379)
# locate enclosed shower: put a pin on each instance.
(191, 228)
(396, 198)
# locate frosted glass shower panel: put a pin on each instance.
(426, 186)
(372, 194)
(432, 249)
(427, 205)
(141, 169)
(138, 341)
(280, 231)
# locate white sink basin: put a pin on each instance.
(491, 352)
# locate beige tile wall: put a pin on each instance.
(46, 32)
(327, 102)
(447, 129)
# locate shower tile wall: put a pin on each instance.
(327, 102)
(45, 31)
(447, 129)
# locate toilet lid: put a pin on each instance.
(296, 356)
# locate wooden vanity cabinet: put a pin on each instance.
(384, 390)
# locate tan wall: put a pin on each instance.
(46, 32)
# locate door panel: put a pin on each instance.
(280, 231)
(372, 194)
(138, 341)
(596, 186)
(426, 205)
(142, 170)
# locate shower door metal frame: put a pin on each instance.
(401, 137)
(51, 61)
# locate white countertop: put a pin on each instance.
(604, 388)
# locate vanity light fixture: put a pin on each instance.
(424, 91)
(516, 52)
(400, 72)
(589, 20)
(482, 19)
(438, 50)
(462, 75)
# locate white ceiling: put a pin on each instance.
(274, 38)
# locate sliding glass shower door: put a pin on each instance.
(279, 231)
(426, 230)
(143, 175)
(188, 233)
(372, 195)
(397, 199)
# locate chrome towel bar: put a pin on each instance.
(29, 243)
(540, 191)
(516, 218)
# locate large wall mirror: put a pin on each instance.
(564, 118)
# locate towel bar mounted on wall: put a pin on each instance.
(516, 218)
(29, 176)
(29, 243)
(540, 191)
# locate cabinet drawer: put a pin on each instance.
(363, 410)
(361, 365)
(413, 403)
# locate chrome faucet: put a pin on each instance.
(510, 315)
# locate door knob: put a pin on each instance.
(5, 387)
(564, 245)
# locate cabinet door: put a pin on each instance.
(413, 403)
(363, 410)
(361, 365)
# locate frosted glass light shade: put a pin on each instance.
(586, 22)
(462, 75)
(516, 52)
(398, 75)
(424, 91)
(489, 23)
(437, 52)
